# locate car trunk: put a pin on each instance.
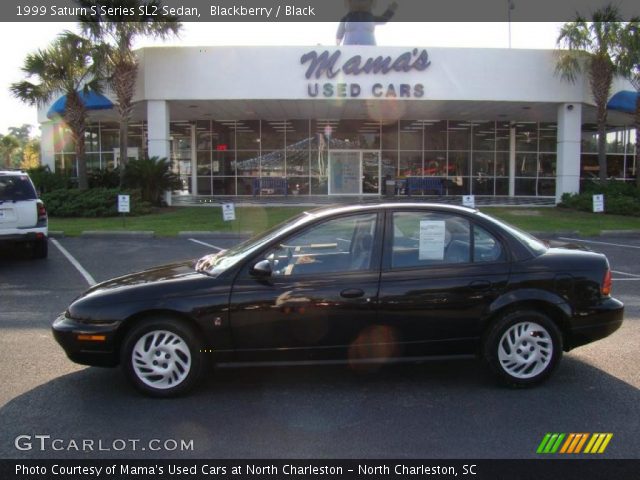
(20, 214)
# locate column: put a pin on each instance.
(158, 128)
(47, 145)
(194, 160)
(512, 160)
(568, 150)
(158, 133)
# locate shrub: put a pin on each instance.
(152, 176)
(47, 181)
(620, 198)
(96, 202)
(109, 178)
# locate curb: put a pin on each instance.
(620, 232)
(56, 233)
(205, 233)
(116, 233)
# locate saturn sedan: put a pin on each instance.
(358, 283)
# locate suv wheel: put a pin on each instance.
(523, 348)
(162, 357)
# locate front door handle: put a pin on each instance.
(480, 285)
(351, 293)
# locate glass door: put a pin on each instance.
(371, 172)
(345, 172)
(354, 172)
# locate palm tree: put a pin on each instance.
(117, 34)
(68, 66)
(631, 69)
(593, 47)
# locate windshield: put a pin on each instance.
(536, 246)
(216, 263)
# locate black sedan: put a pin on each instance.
(356, 283)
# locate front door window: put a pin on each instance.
(340, 245)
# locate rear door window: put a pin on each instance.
(423, 239)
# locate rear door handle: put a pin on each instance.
(480, 285)
(351, 293)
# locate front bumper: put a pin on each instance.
(596, 323)
(99, 353)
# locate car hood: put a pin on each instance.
(158, 282)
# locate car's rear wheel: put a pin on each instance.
(162, 357)
(40, 248)
(523, 348)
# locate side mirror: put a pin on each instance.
(262, 269)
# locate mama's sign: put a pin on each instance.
(331, 65)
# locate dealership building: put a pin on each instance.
(359, 121)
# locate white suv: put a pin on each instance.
(23, 217)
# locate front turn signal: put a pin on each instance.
(607, 283)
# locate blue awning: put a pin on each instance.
(624, 101)
(92, 100)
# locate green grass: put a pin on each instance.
(171, 221)
(256, 219)
(562, 220)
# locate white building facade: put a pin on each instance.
(351, 120)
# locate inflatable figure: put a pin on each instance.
(358, 26)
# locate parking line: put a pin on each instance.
(87, 276)
(626, 279)
(205, 244)
(599, 243)
(625, 273)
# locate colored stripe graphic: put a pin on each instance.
(598, 443)
(550, 443)
(553, 443)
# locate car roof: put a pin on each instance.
(12, 172)
(338, 209)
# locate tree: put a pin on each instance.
(30, 154)
(593, 47)
(9, 144)
(630, 63)
(22, 133)
(69, 66)
(117, 34)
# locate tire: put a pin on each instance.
(513, 357)
(171, 348)
(40, 249)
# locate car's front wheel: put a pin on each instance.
(523, 348)
(162, 357)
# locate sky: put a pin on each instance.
(19, 39)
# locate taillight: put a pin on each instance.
(607, 283)
(42, 212)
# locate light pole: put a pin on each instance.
(510, 6)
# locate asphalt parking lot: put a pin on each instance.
(437, 409)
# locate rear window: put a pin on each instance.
(16, 187)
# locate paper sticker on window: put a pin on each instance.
(431, 240)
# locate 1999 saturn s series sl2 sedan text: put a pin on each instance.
(372, 281)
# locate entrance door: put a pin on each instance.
(371, 172)
(354, 172)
